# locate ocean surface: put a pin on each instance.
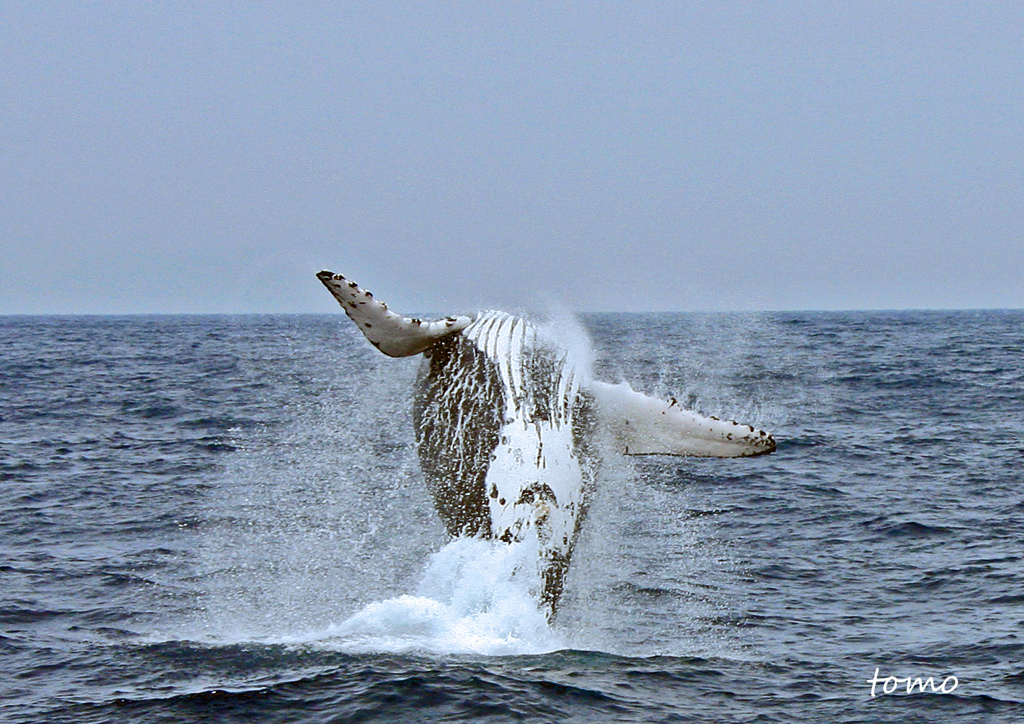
(223, 519)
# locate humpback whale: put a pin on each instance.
(506, 426)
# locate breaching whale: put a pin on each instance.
(506, 426)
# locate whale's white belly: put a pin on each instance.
(536, 476)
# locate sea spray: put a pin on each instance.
(475, 596)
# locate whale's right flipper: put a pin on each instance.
(392, 334)
(643, 425)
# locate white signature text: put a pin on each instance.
(890, 684)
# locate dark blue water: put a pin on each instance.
(222, 519)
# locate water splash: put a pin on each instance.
(475, 596)
(317, 532)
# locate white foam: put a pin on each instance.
(476, 597)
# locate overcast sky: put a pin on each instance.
(213, 156)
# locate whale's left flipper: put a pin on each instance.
(643, 425)
(392, 334)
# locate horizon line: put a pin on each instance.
(880, 310)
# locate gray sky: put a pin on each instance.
(213, 156)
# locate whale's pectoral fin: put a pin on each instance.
(643, 425)
(392, 334)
